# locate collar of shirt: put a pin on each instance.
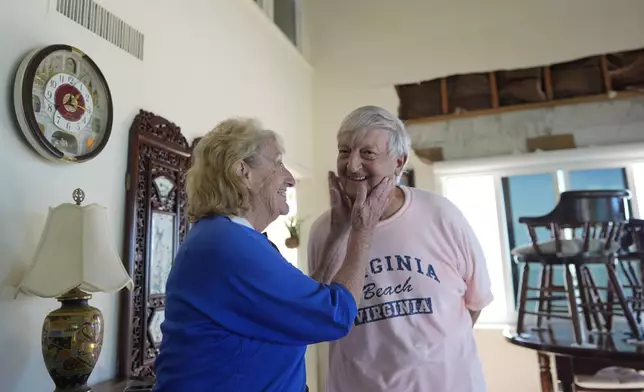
(244, 222)
(241, 221)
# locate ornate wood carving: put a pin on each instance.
(158, 159)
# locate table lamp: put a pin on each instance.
(76, 256)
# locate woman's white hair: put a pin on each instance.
(368, 118)
(213, 184)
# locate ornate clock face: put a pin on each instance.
(63, 104)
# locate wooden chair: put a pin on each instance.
(584, 230)
(598, 375)
(628, 267)
(631, 265)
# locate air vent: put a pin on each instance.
(103, 23)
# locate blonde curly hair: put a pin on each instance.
(214, 186)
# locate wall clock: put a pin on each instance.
(63, 104)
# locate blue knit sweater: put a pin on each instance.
(238, 316)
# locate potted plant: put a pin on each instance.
(293, 226)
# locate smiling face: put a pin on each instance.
(364, 157)
(269, 180)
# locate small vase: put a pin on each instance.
(292, 242)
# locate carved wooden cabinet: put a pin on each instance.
(155, 225)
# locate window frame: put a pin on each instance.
(268, 7)
(560, 163)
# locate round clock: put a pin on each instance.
(63, 104)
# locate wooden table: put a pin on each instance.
(600, 350)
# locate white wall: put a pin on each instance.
(383, 42)
(375, 44)
(204, 60)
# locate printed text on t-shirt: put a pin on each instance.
(399, 306)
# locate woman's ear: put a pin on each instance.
(243, 171)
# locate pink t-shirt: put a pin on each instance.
(413, 332)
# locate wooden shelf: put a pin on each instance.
(589, 79)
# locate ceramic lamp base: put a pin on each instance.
(72, 338)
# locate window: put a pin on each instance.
(286, 16)
(526, 195)
(580, 180)
(277, 231)
(458, 190)
(529, 185)
(637, 182)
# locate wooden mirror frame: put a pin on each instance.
(157, 149)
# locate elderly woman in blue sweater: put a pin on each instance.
(239, 316)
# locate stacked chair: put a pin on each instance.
(587, 233)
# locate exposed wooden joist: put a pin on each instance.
(444, 97)
(605, 75)
(547, 81)
(494, 90)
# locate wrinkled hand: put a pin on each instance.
(341, 205)
(368, 209)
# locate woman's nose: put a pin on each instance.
(289, 180)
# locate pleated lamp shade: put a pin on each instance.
(76, 249)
